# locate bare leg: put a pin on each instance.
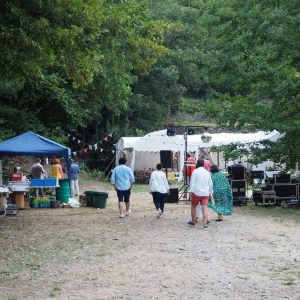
(121, 208)
(220, 216)
(127, 206)
(193, 212)
(205, 214)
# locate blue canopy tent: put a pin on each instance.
(32, 144)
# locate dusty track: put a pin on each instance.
(92, 254)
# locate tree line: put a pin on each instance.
(88, 67)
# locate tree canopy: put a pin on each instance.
(129, 66)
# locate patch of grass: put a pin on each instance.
(289, 274)
(289, 282)
(271, 211)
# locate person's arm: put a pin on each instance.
(210, 184)
(192, 182)
(131, 177)
(151, 182)
(61, 171)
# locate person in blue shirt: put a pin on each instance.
(74, 174)
(122, 179)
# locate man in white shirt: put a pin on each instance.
(159, 189)
(201, 188)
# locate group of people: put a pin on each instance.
(208, 187)
(57, 171)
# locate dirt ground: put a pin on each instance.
(88, 253)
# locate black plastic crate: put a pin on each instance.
(11, 210)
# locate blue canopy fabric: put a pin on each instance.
(30, 143)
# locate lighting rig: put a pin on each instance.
(188, 130)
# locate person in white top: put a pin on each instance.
(159, 188)
(201, 188)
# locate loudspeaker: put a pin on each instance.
(173, 196)
(257, 175)
(166, 158)
(286, 190)
(282, 178)
(238, 188)
(236, 172)
(171, 131)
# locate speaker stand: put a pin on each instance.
(183, 192)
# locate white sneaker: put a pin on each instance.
(121, 216)
(159, 213)
(128, 212)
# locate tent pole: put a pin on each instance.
(113, 160)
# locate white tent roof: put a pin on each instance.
(157, 141)
(126, 142)
(219, 139)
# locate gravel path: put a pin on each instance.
(92, 254)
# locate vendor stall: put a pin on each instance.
(32, 144)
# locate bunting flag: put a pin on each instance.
(90, 147)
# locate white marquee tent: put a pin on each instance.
(144, 152)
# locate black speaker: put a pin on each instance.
(238, 188)
(286, 190)
(236, 172)
(166, 158)
(257, 175)
(237, 184)
(282, 178)
(173, 196)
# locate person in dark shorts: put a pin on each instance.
(122, 179)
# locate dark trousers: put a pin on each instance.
(159, 200)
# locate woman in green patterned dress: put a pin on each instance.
(222, 194)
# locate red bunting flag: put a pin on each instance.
(105, 139)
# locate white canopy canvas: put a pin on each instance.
(144, 152)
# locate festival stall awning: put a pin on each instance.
(30, 143)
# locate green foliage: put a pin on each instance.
(66, 64)
(128, 66)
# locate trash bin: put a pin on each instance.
(89, 196)
(63, 193)
(100, 199)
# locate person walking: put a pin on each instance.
(207, 166)
(37, 172)
(74, 178)
(122, 179)
(222, 194)
(159, 188)
(201, 188)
